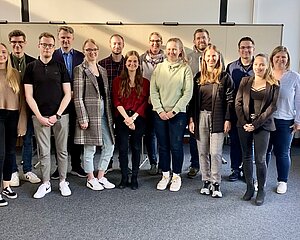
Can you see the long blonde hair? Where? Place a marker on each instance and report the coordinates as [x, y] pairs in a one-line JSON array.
[[12, 75], [205, 75], [268, 76]]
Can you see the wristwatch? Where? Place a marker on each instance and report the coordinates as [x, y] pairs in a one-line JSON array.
[[174, 113], [58, 116]]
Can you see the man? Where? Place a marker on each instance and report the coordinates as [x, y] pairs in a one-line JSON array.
[[19, 60], [114, 65], [149, 60], [70, 58], [238, 69], [48, 93]]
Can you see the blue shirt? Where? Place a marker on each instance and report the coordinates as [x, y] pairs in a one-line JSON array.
[[68, 58]]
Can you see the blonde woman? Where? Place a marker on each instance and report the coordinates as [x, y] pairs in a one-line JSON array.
[[254, 105], [210, 115], [11, 125]]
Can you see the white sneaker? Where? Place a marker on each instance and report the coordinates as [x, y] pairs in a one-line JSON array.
[[15, 180], [94, 185], [31, 177], [175, 183], [163, 183], [106, 184], [43, 190], [216, 191], [64, 188], [281, 187]]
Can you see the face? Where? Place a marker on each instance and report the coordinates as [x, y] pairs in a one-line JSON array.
[[155, 44], [46, 46], [173, 51], [91, 52], [201, 40], [280, 60], [3, 54], [65, 40], [260, 66], [132, 63], [116, 45], [18, 44], [211, 58], [246, 49]]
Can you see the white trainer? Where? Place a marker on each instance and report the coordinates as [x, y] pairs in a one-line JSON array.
[[64, 188], [281, 187], [163, 183], [15, 180], [42, 190], [31, 177], [106, 184], [175, 183], [94, 185]]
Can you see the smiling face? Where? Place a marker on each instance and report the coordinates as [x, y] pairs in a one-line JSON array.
[[132, 63], [66, 40], [201, 41], [211, 58], [173, 51], [91, 52], [155, 44], [17, 43], [246, 50], [116, 45], [3, 55], [280, 61], [260, 66]]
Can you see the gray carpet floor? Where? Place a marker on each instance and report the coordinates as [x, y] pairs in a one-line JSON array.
[[151, 214]]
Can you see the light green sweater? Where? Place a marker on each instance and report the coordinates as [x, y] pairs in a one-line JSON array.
[[171, 87]]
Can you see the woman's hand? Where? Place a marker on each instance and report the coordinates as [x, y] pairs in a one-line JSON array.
[[227, 126], [128, 121], [163, 116], [132, 126], [296, 127], [248, 127], [170, 114], [84, 126], [191, 127]]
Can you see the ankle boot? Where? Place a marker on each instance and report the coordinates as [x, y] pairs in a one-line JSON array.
[[134, 183], [124, 182], [260, 197], [249, 193]]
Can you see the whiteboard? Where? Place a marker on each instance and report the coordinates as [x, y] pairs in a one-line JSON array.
[[136, 36]]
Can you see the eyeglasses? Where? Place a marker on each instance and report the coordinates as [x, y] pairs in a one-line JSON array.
[[17, 42], [246, 47], [91, 50], [155, 41], [45, 45]]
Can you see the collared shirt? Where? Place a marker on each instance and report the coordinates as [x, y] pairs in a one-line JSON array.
[[19, 64], [68, 58]]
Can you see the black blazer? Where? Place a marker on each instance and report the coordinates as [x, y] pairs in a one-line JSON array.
[[268, 106]]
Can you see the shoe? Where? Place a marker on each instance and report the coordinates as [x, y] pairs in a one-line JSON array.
[[124, 183], [9, 193], [192, 172], [3, 202], [153, 169], [163, 183], [42, 190], [15, 180], [94, 184], [175, 183], [260, 198], [249, 193], [106, 184], [205, 190], [64, 188], [216, 192], [134, 183], [281, 187], [55, 175], [79, 172], [31, 177], [234, 176]]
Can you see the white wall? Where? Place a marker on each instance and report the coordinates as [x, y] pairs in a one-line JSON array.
[[10, 10]]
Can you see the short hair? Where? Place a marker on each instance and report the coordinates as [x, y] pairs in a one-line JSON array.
[[200, 30], [277, 50], [157, 34], [91, 41], [244, 39], [116, 35], [46, 35], [16, 33], [66, 29]]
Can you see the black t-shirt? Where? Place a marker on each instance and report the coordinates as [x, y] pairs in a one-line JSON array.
[[101, 85], [206, 97], [47, 80]]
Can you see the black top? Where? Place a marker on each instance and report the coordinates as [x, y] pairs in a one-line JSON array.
[[256, 98], [47, 80], [206, 97], [101, 85]]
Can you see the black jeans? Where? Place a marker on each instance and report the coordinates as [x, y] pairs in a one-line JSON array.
[[8, 139]]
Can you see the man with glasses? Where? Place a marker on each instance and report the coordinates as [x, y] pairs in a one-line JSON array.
[[238, 69], [70, 58], [149, 60], [48, 93], [19, 60]]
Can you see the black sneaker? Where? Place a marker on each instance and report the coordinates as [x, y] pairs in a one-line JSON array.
[[192, 172], [3, 202], [79, 172], [55, 175], [216, 191], [234, 176], [9, 193]]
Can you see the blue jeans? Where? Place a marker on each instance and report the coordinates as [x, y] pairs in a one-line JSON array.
[[235, 149], [281, 141], [170, 135], [150, 137]]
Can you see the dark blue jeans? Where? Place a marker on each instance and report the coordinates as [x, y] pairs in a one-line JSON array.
[[194, 152], [170, 135], [8, 139], [280, 142], [150, 137], [235, 149]]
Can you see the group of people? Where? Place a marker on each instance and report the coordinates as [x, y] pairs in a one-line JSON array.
[[119, 100]]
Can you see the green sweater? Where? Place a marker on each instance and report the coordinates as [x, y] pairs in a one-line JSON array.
[[171, 87]]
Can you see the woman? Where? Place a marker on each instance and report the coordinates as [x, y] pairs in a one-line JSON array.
[[255, 103], [11, 125], [287, 115], [94, 117], [171, 89], [210, 111], [130, 97]]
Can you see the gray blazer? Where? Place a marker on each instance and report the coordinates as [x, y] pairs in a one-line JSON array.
[[87, 100]]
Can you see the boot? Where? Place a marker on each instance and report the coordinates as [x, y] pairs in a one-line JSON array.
[[249, 193], [134, 182], [260, 197]]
